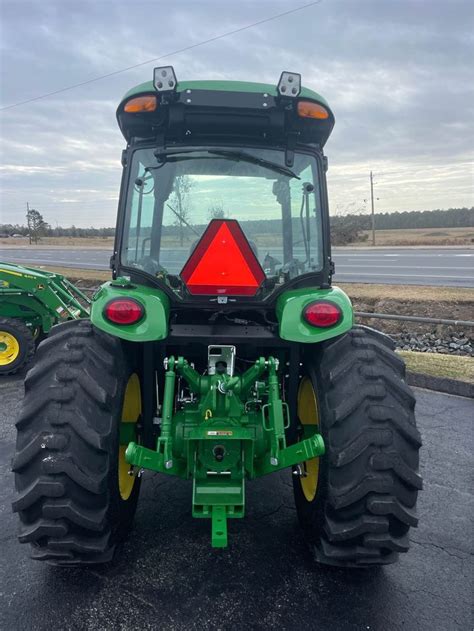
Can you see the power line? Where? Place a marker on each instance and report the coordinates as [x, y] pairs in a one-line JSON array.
[[155, 59]]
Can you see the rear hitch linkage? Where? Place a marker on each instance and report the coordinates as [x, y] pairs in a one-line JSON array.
[[222, 436]]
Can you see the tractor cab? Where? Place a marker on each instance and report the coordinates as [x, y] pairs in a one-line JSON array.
[[224, 191]]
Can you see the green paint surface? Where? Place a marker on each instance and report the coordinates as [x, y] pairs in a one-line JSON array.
[[232, 431], [39, 298], [226, 86], [289, 310], [153, 325]]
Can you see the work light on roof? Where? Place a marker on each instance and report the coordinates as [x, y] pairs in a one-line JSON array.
[[289, 84], [164, 79]]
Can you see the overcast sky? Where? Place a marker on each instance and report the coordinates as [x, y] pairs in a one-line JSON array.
[[398, 75]]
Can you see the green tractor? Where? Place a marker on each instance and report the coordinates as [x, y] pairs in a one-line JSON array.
[[32, 301], [220, 351]]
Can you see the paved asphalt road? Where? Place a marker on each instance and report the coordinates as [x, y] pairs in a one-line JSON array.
[[167, 576], [414, 266]]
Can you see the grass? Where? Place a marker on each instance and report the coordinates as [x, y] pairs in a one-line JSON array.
[[451, 366], [415, 293], [421, 236], [81, 242], [74, 274]]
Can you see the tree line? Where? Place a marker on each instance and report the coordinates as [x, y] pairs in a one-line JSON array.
[[349, 228], [451, 218], [344, 229], [36, 227]]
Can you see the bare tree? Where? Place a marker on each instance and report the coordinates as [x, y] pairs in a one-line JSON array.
[[37, 226], [182, 187], [216, 211]]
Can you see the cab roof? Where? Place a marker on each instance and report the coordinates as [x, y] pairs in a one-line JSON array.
[[225, 86], [217, 109]]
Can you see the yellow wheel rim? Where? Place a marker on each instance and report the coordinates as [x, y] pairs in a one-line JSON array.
[[131, 410], [9, 348], [309, 416]]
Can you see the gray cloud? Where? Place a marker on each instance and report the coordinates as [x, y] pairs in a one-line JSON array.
[[398, 75]]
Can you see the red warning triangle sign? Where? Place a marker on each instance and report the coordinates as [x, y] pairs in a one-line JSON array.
[[223, 262]]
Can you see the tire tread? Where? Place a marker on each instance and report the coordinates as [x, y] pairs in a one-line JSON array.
[[65, 432], [369, 478]]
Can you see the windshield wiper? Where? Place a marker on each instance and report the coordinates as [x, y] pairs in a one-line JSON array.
[[183, 154], [183, 220], [248, 157]]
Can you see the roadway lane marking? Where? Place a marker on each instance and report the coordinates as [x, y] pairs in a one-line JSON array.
[[446, 267], [404, 255], [401, 276], [371, 260], [411, 253]]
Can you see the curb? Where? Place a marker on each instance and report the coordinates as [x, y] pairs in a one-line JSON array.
[[441, 384]]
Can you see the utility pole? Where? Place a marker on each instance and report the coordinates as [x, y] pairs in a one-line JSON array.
[[28, 221], [372, 206]]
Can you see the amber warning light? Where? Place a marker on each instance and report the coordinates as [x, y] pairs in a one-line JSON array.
[[141, 104], [223, 263]]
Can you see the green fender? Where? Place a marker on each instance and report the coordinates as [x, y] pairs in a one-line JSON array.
[[153, 325], [289, 310]]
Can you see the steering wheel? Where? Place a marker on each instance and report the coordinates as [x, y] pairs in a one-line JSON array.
[[151, 266]]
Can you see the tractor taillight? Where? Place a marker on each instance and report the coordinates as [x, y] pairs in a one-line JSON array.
[[322, 313], [123, 311]]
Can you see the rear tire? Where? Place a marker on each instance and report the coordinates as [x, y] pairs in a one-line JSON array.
[[67, 453], [368, 479], [17, 345]]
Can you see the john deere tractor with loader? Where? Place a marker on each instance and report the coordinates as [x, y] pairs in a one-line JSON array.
[[220, 351], [32, 301]]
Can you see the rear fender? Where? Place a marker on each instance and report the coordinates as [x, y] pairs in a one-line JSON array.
[[289, 312], [152, 326]]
